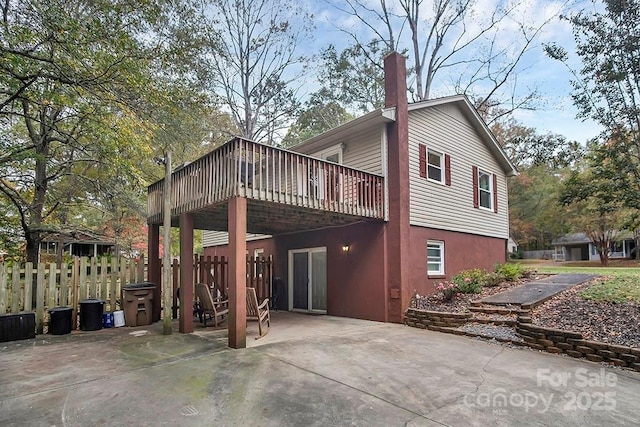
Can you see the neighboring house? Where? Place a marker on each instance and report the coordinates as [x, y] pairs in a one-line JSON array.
[[361, 216], [579, 247], [75, 243]]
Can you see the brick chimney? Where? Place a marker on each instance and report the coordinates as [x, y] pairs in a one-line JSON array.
[[397, 229]]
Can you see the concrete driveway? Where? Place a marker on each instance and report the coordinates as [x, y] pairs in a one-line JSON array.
[[308, 371]]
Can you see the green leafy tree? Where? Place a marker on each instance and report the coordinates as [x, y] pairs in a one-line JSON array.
[[607, 89], [543, 162], [354, 77], [593, 207], [81, 83], [316, 117], [535, 216]]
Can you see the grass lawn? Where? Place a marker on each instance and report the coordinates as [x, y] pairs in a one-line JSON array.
[[618, 284]]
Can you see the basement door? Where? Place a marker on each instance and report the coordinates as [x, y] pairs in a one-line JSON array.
[[308, 280]]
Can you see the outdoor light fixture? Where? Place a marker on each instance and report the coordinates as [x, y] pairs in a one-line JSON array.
[[345, 248]]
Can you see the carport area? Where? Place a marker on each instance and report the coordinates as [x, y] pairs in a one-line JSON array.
[[309, 370]]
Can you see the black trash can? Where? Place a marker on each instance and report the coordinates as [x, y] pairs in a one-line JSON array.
[[91, 314], [60, 322], [137, 303]]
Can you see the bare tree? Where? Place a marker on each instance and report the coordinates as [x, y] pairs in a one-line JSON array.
[[256, 62], [485, 52]]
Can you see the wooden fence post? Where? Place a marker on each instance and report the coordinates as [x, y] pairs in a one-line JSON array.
[[140, 275], [83, 279], [93, 291], [113, 284], [123, 272], [52, 300], [103, 280], [132, 271], [75, 275], [28, 286], [64, 287], [3, 288], [40, 298], [15, 288]]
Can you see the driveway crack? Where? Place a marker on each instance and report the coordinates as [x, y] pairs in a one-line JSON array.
[[368, 393]]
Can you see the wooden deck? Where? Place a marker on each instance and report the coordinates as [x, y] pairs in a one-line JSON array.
[[284, 190]]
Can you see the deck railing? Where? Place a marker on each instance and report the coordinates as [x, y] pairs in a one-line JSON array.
[[243, 168]]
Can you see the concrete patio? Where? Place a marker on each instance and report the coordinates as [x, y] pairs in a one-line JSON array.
[[309, 370]]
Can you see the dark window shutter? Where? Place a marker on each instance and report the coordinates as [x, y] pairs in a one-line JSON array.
[[423, 160], [476, 201], [447, 169], [495, 193]]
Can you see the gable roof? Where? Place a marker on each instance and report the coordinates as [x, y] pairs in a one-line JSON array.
[[471, 114], [574, 238], [386, 115], [582, 238], [78, 237]]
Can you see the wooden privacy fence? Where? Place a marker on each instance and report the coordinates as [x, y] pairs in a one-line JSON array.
[[214, 271], [29, 287], [37, 287]]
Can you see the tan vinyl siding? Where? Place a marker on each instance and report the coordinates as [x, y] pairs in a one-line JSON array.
[[217, 238], [361, 151], [444, 128]]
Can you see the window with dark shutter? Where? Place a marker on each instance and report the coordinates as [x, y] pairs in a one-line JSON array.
[[447, 169], [423, 160], [495, 193], [476, 200]]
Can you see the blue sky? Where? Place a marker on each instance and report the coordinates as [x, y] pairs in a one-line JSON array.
[[550, 78]]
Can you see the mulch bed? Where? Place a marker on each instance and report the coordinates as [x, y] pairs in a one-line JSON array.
[[597, 321]]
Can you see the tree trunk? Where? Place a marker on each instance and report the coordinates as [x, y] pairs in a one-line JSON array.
[[603, 253], [33, 239]]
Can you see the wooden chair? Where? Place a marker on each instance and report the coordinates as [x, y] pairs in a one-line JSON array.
[[258, 312], [216, 309]]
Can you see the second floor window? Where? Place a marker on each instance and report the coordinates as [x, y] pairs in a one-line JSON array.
[[485, 190], [435, 166]]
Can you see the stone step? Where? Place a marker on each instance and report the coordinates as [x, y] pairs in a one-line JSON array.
[[493, 310], [497, 322]]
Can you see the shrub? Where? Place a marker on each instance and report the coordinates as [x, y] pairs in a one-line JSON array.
[[447, 290], [469, 281], [510, 272], [492, 279]]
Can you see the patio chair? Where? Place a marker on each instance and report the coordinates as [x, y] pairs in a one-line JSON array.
[[216, 309], [259, 312]]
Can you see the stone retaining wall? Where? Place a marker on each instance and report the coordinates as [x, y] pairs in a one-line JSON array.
[[426, 319], [572, 344], [537, 337]]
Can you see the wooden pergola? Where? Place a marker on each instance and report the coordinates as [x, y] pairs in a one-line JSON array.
[[246, 187]]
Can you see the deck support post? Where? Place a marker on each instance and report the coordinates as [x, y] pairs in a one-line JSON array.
[[237, 272], [186, 274], [153, 275]]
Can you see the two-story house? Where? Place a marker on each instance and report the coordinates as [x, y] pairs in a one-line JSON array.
[[363, 215]]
